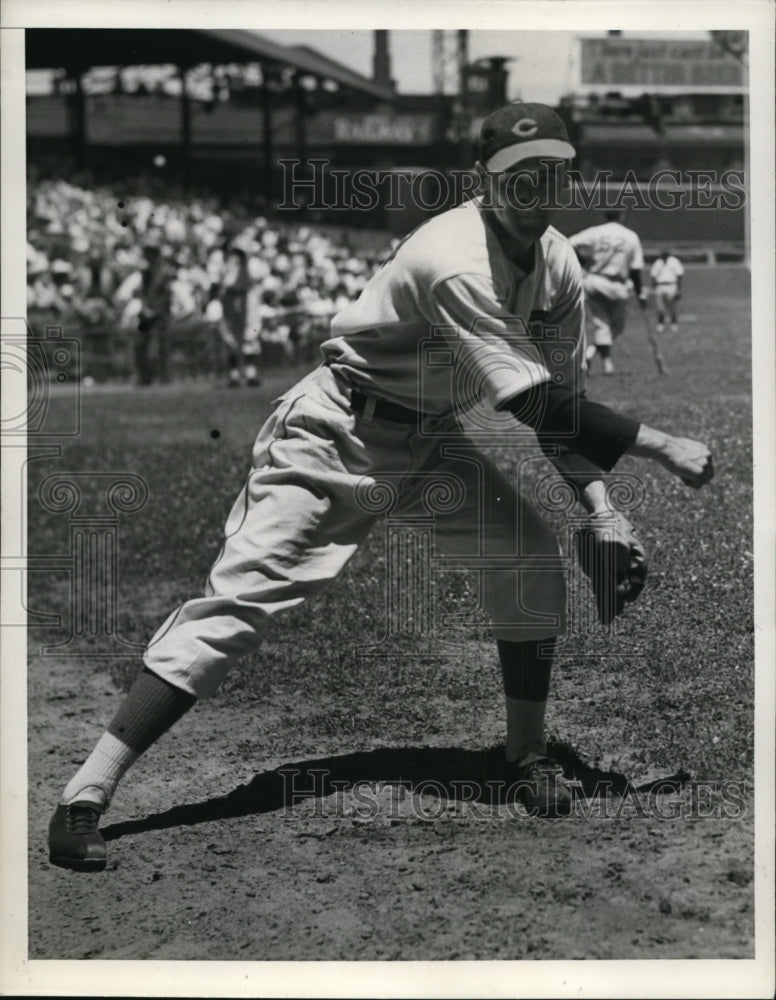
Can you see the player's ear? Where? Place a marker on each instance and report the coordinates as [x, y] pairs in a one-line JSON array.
[[484, 182]]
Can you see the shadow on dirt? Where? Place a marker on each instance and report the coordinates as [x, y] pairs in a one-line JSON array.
[[441, 771]]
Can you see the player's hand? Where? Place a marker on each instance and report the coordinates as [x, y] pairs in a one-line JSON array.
[[689, 460], [613, 560]]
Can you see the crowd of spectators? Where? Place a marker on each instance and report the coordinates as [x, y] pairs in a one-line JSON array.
[[143, 263]]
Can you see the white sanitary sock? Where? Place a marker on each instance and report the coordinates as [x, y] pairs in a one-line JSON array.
[[97, 778]]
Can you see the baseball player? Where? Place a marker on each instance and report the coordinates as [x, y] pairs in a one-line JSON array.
[[241, 342], [612, 257], [154, 317], [666, 274], [487, 279]]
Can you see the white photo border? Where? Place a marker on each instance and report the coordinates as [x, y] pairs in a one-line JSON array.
[[652, 978]]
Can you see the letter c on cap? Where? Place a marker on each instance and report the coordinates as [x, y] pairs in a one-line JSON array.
[[525, 128]]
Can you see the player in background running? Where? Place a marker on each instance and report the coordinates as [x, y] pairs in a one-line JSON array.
[[612, 257]]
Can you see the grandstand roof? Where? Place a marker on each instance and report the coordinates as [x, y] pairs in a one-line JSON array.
[[82, 48]]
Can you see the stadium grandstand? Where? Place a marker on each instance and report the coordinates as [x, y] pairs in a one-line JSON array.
[[644, 106], [161, 151]]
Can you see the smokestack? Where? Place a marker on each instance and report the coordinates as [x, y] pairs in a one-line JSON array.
[[381, 61]]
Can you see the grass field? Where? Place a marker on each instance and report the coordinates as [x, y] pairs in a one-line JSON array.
[[671, 692]]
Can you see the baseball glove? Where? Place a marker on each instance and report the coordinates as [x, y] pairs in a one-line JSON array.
[[613, 560]]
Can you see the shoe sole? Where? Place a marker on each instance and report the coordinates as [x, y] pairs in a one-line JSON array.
[[79, 864], [544, 809]]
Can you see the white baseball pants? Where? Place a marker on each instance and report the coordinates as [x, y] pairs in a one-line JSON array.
[[319, 474]]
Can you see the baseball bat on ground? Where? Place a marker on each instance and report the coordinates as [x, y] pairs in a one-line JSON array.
[[652, 337]]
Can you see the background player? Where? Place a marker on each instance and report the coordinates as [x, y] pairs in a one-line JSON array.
[[152, 359], [612, 257], [477, 276], [666, 274], [241, 341]]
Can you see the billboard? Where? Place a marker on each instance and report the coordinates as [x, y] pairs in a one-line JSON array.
[[383, 129], [690, 65]]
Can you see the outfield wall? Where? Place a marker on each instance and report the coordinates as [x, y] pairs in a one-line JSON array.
[[708, 234]]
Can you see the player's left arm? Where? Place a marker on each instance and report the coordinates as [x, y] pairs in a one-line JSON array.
[[584, 440], [591, 443]]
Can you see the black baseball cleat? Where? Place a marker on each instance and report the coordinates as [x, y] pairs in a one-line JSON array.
[[74, 840], [541, 787]]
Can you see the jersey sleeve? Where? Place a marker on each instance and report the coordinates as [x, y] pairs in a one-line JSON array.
[[495, 355]]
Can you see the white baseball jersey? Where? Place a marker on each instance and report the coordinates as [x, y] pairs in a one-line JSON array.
[[451, 277], [611, 250], [667, 271]]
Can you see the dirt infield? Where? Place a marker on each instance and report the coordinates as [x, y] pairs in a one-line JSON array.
[[409, 847], [204, 867]]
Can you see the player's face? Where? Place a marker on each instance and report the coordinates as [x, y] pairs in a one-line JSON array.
[[525, 198]]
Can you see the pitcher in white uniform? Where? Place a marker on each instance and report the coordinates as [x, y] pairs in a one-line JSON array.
[[497, 292]]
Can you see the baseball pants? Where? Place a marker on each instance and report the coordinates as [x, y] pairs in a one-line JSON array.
[[319, 474], [665, 300], [607, 319]]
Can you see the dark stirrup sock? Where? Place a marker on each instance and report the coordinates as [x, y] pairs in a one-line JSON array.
[[151, 707], [526, 678], [526, 675]]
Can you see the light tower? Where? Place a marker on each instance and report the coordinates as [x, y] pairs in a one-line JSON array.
[[449, 56], [381, 60]]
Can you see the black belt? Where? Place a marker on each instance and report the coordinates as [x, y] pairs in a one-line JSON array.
[[385, 410]]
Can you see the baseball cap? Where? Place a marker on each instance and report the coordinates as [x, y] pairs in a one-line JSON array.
[[520, 132]]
